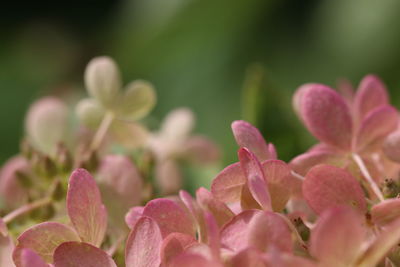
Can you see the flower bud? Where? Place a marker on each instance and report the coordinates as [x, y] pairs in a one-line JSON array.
[[102, 80]]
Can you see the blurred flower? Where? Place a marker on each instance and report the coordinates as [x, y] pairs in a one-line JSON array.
[[173, 143], [108, 106]]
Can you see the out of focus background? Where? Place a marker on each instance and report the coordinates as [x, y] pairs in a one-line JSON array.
[[224, 59]]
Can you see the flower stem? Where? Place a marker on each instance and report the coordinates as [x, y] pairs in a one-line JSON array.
[[368, 177], [101, 131], [26, 208]]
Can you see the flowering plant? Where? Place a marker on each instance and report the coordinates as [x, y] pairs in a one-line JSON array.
[[334, 205]]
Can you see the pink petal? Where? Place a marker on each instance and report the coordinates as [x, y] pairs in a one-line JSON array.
[[220, 211], [337, 237], [168, 176], [169, 216], [118, 174], [234, 234], [6, 246], [248, 136], [213, 239], [276, 258], [267, 230], [43, 239], [173, 245], [320, 104], [85, 208], [391, 146], [196, 213], [386, 211], [247, 200], [72, 254], [227, 186], [371, 93], [193, 260], [280, 182], [381, 246], [376, 124], [121, 187], [133, 216], [12, 193], [30, 259], [201, 150], [249, 257], [144, 244], [304, 162], [255, 178], [326, 186]]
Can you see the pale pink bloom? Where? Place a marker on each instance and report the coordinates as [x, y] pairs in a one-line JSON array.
[[174, 143]]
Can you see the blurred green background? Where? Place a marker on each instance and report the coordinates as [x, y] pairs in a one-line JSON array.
[[225, 59]]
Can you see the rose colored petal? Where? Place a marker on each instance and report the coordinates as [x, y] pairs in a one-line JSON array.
[[327, 186], [193, 260], [144, 244], [220, 211], [320, 104], [298, 96], [85, 208], [173, 245], [196, 213], [12, 193], [272, 151], [248, 136], [234, 234], [46, 124], [337, 238], [276, 258], [121, 175], [201, 150], [381, 246], [169, 216], [120, 185], [71, 254], [255, 178], [6, 246], [391, 146], [371, 93], [249, 257], [386, 211], [268, 229], [30, 259], [346, 89], [133, 216], [168, 176], [280, 182], [247, 200], [304, 162], [43, 239], [102, 80], [213, 236], [376, 124], [227, 186]]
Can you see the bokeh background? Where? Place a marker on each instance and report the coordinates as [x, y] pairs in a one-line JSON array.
[[224, 59]]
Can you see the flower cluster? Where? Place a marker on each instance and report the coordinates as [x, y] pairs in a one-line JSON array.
[[335, 205]]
